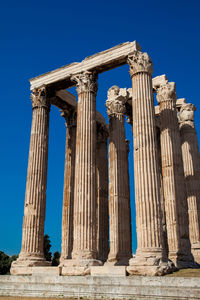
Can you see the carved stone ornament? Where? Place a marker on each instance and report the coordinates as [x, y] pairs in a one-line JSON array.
[[116, 100], [186, 112], [39, 98], [86, 82], [140, 62], [166, 92]]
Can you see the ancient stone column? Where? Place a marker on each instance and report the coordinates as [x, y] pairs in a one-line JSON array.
[[35, 199], [173, 178], [85, 201], [128, 193], [162, 199], [119, 197], [149, 252], [102, 193], [191, 164], [68, 192]]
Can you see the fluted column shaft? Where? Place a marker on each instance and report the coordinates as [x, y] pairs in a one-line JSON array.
[[102, 194], [191, 164], [147, 196], [162, 198], [85, 202], [168, 139], [173, 178], [129, 222], [35, 197], [119, 197], [68, 192]]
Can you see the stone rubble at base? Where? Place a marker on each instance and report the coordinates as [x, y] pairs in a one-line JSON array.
[[96, 233]]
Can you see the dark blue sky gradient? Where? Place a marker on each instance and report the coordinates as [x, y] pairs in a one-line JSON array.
[[39, 36]]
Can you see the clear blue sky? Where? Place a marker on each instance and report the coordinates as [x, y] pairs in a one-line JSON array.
[[39, 36]]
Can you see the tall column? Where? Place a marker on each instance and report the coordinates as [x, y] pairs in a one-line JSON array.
[[162, 199], [102, 193], [68, 192], [85, 202], [191, 164], [129, 201], [119, 198], [35, 198], [149, 254], [173, 178]]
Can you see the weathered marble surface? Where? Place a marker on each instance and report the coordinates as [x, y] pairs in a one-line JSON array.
[[100, 62], [119, 193], [35, 198], [191, 164], [85, 202], [173, 177], [109, 287], [149, 254]]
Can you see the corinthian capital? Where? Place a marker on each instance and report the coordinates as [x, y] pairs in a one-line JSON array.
[[140, 62], [39, 98], [86, 82], [167, 92], [116, 100], [186, 113]]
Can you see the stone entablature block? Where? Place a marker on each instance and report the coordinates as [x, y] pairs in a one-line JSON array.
[[100, 62]]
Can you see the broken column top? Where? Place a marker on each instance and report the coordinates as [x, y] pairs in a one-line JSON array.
[[158, 81], [99, 62]]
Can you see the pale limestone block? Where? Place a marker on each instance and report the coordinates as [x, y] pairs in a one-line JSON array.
[[158, 81], [108, 270], [51, 271]]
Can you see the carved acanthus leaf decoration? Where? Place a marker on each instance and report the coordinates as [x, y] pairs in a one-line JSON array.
[[86, 82], [140, 62], [186, 112], [39, 98], [116, 100], [167, 92]]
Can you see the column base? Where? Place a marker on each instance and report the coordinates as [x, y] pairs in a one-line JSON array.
[[124, 261], [182, 261], [23, 265], [119, 259], [150, 264], [196, 252], [78, 267]]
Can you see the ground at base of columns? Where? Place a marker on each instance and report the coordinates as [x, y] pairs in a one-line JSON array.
[[185, 273]]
